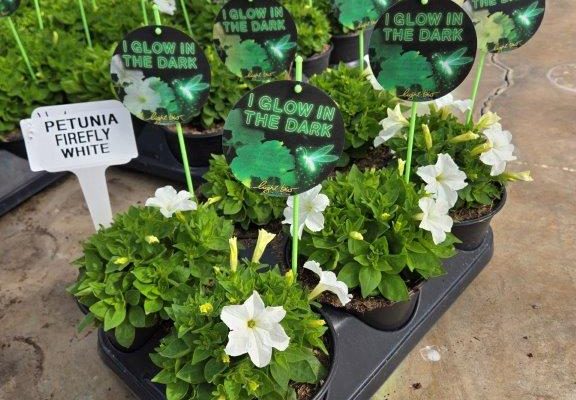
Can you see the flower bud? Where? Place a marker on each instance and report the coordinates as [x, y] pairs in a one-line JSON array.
[[317, 323], [524, 176], [121, 260], [213, 200], [356, 235], [180, 217], [233, 253], [385, 216], [253, 386], [481, 148], [401, 166], [151, 239], [225, 358], [206, 308], [289, 276], [487, 120], [264, 238], [55, 38], [427, 136], [465, 137]]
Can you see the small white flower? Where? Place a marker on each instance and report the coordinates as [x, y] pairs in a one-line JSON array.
[[166, 6], [444, 179], [328, 282], [141, 97], [312, 205], [169, 201], [435, 218], [125, 76], [391, 125], [255, 329], [443, 102], [501, 149]]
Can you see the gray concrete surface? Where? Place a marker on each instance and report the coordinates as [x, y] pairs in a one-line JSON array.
[[512, 334]]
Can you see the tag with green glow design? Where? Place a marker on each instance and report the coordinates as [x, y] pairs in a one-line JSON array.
[[283, 143], [505, 25], [256, 39], [163, 79], [8, 7], [423, 52], [357, 14]]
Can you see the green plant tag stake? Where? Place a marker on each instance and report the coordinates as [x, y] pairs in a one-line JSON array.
[[7, 8], [85, 23], [39, 14], [144, 11], [422, 52], [186, 16], [296, 210], [163, 77], [502, 26]]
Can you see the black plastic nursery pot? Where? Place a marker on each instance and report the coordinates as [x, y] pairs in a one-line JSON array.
[[15, 145], [393, 316], [363, 357], [347, 47], [199, 147], [473, 232], [141, 338], [317, 63]]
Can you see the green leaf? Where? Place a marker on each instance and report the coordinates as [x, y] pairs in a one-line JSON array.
[[175, 349], [132, 297], [212, 369], [99, 309], [86, 321], [152, 305], [114, 317], [280, 374], [164, 377], [125, 334], [176, 390], [349, 274], [393, 288], [369, 280], [200, 354], [137, 317], [193, 374]]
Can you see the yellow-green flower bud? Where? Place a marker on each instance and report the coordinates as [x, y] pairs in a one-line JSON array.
[[213, 200], [524, 176], [317, 323], [401, 166], [465, 137], [206, 308], [427, 136], [121, 260], [289, 277], [264, 238], [385, 216], [487, 120], [151, 239], [55, 38], [233, 253], [482, 148], [180, 217], [253, 386], [356, 235], [225, 358]]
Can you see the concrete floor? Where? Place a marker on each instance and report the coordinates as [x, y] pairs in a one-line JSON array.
[[511, 335]]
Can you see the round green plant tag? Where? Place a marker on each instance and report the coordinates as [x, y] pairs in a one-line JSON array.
[[161, 75], [280, 142], [423, 52], [8, 7], [256, 39], [505, 25], [358, 14]]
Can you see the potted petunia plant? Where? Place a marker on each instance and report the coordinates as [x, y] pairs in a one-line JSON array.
[[130, 272], [378, 235], [462, 165], [251, 335]]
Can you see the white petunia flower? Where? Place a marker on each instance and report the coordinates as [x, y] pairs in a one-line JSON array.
[[141, 97], [125, 76], [444, 179], [312, 205], [255, 329], [501, 149], [391, 125], [435, 218], [328, 282], [166, 6], [169, 201], [443, 102]]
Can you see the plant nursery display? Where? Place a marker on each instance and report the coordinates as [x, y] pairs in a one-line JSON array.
[[323, 209]]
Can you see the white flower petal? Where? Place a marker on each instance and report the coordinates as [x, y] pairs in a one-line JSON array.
[[314, 267], [315, 222], [238, 343], [235, 317], [260, 353]]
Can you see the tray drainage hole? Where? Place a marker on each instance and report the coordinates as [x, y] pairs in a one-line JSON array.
[[564, 77]]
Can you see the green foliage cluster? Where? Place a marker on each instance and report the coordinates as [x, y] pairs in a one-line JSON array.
[[313, 27], [134, 269], [362, 106], [483, 189], [194, 363], [371, 238], [238, 202]]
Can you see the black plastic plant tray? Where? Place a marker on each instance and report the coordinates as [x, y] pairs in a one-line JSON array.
[[366, 357], [156, 159], [18, 183]]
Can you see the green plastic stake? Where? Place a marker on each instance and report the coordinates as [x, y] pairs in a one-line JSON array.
[[186, 16], [144, 11], [94, 5], [157, 19], [407, 172], [482, 61], [361, 50], [39, 14], [185, 158], [296, 211], [21, 47], [85, 23]]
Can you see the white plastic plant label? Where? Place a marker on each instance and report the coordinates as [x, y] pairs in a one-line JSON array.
[[85, 139]]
